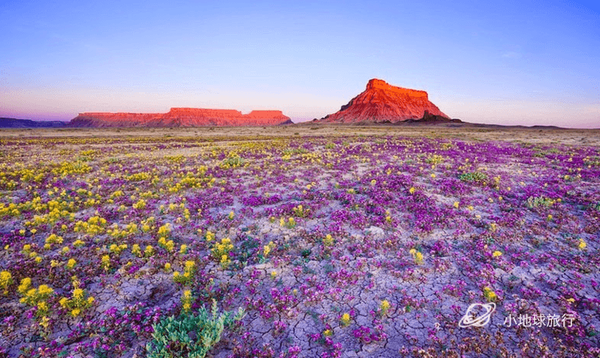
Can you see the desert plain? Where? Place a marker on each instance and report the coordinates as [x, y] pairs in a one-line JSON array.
[[322, 240]]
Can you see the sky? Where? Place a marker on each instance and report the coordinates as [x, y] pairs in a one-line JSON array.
[[506, 62]]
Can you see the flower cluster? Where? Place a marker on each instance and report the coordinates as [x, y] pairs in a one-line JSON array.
[[346, 237], [221, 251], [187, 275], [79, 300], [5, 281]]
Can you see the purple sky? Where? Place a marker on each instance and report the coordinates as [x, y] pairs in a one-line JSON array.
[[509, 62]]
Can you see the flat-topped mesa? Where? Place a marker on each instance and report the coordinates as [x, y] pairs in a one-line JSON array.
[[203, 112], [119, 116], [382, 85], [191, 117], [108, 119], [180, 117], [265, 114], [382, 102]]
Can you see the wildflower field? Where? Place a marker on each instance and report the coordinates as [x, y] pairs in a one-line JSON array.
[[319, 244]]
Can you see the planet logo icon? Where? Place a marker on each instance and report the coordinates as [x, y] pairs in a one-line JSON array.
[[478, 315]]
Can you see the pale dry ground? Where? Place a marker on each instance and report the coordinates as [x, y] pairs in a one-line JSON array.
[[528, 135]]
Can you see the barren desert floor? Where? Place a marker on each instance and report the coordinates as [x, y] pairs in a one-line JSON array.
[[308, 241]]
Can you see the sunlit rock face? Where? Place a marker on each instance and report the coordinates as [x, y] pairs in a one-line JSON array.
[[382, 102], [180, 117]]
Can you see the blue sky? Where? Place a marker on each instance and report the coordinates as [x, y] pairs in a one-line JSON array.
[[510, 62]]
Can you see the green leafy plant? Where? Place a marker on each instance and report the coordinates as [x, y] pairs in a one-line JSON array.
[[474, 177], [190, 335], [232, 161], [534, 202]]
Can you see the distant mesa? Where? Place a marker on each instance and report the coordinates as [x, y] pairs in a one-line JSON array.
[[384, 103], [181, 117]]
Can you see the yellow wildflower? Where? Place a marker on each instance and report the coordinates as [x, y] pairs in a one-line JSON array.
[[149, 251], [224, 259], [105, 262], [71, 263], [419, 258], [385, 306], [345, 319], [42, 307], [78, 293], [189, 265], [5, 280], [135, 249], [63, 302], [489, 294]]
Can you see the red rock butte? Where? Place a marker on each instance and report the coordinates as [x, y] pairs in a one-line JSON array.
[[382, 102], [181, 117]]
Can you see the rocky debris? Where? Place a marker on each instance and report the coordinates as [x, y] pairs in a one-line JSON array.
[[377, 232]]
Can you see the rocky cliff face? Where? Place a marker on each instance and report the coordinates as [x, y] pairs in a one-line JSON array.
[[180, 117], [381, 102]]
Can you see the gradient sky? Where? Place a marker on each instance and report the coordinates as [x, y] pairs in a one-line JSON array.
[[506, 62]]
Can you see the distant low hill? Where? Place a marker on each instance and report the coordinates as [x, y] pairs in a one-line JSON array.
[[28, 123]]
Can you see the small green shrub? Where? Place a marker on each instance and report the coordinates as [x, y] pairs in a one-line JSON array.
[[592, 161], [434, 159], [474, 177], [232, 162], [535, 202], [190, 335]]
